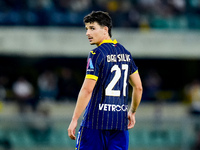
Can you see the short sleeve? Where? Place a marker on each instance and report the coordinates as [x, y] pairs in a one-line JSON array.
[[133, 67], [93, 65]]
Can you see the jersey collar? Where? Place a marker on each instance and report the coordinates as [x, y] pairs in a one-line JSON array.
[[108, 41]]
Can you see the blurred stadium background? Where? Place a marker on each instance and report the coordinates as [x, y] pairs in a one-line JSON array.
[[43, 52]]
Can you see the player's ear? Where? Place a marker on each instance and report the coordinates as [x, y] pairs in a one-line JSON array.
[[105, 29]]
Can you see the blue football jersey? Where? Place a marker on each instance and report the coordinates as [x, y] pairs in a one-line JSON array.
[[110, 64]]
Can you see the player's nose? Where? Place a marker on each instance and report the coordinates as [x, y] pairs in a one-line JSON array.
[[87, 33]]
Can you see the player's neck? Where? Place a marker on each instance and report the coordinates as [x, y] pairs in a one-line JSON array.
[[106, 38]]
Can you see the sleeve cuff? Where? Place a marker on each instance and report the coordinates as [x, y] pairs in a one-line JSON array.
[[89, 76], [135, 72]]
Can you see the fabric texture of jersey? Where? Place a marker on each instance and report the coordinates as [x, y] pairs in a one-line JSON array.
[[93, 139], [110, 64]]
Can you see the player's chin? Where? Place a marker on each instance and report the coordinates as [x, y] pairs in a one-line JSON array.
[[91, 43]]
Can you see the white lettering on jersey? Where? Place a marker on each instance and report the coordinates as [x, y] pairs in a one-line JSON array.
[[111, 58], [123, 57], [118, 58], [112, 107]]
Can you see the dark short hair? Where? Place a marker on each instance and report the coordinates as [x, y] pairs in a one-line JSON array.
[[102, 18]]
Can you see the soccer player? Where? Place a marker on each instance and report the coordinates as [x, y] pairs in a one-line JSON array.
[[104, 93]]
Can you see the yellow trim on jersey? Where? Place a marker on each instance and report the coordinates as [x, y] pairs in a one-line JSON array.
[[92, 52], [109, 41], [89, 76], [135, 72]]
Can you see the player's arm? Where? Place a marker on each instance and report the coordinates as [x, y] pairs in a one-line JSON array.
[[83, 100], [135, 81]]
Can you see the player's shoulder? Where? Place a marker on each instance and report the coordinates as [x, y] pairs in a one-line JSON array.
[[98, 51], [95, 51], [123, 48]]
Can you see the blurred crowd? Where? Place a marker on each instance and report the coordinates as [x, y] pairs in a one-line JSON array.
[[50, 86], [63, 85], [125, 13]]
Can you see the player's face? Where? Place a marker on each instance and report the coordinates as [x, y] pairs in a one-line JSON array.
[[95, 33]]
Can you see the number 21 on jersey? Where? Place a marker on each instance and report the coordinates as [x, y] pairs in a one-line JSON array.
[[118, 72]]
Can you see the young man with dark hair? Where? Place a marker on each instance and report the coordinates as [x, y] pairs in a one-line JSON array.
[[104, 93]]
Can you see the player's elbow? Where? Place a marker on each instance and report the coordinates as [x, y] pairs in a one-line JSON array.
[[86, 91], [138, 88]]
